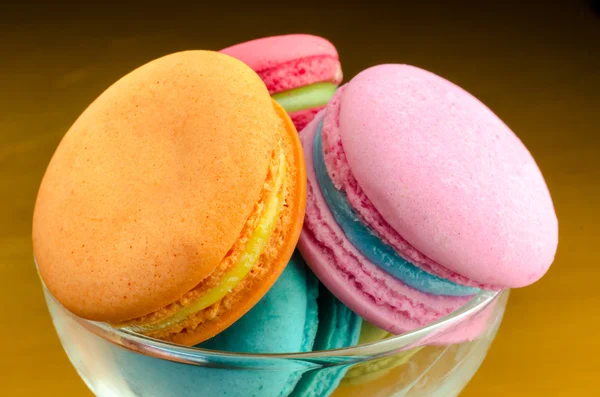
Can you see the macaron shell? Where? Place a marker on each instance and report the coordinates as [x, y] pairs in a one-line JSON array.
[[292, 219], [268, 52], [302, 72], [341, 176], [285, 320], [150, 187], [448, 175]]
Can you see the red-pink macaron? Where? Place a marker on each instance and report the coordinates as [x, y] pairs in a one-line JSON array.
[[419, 196], [301, 71]]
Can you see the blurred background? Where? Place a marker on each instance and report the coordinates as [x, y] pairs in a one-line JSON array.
[[537, 65]]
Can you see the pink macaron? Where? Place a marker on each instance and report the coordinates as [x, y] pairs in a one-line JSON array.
[[301, 71], [419, 197]]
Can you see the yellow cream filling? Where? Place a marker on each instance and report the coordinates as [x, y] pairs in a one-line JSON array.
[[254, 247]]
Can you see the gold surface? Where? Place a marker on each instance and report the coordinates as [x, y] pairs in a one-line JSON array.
[[537, 67]]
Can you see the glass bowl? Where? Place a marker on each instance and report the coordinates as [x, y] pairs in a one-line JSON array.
[[119, 363]]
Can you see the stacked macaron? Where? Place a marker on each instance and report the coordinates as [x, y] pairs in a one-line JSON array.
[[301, 71], [419, 196], [175, 200]]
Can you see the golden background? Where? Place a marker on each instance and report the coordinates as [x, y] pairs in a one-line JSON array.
[[536, 65]]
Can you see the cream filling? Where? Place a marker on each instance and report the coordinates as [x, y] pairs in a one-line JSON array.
[[306, 97]]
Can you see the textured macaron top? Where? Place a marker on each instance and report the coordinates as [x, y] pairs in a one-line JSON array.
[[151, 186], [268, 52], [448, 175]]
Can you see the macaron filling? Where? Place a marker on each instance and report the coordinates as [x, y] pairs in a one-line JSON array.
[[306, 97], [366, 241], [250, 255]]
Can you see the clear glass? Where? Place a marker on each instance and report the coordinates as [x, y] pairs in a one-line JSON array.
[[116, 363]]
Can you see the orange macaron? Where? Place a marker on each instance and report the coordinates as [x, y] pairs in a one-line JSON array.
[[175, 200]]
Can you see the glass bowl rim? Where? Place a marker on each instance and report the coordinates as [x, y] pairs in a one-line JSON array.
[[194, 355]]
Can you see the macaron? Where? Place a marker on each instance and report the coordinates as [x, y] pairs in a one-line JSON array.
[[301, 71], [369, 371], [291, 317], [419, 197], [175, 200]]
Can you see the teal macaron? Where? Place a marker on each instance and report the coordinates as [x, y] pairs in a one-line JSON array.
[[338, 327], [285, 320]]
